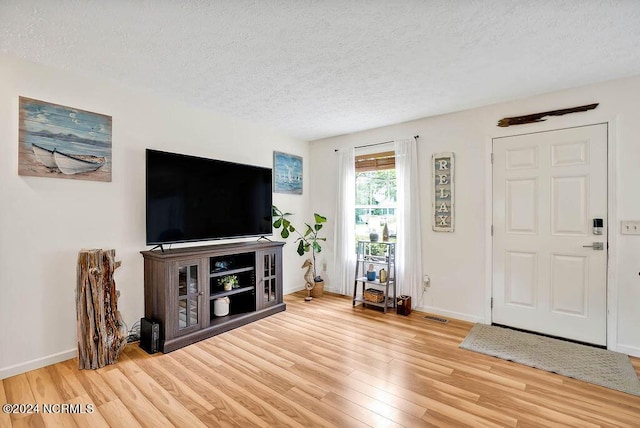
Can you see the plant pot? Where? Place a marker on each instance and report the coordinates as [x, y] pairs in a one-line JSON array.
[[318, 289]]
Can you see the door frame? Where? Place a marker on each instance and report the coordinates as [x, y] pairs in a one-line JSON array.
[[612, 216]]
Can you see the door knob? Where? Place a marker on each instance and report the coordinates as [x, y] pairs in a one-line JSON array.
[[596, 246]]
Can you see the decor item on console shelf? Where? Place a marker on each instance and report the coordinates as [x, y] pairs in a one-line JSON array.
[[229, 282], [221, 306], [309, 241]]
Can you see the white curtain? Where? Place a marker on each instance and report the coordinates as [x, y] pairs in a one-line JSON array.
[[409, 246], [344, 237]]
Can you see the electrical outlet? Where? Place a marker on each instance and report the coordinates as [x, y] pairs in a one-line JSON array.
[[630, 227], [426, 282]]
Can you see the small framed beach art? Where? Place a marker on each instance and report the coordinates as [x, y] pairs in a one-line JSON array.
[[63, 142], [287, 173]]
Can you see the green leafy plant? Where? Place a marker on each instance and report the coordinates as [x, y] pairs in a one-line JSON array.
[[309, 241], [230, 279]]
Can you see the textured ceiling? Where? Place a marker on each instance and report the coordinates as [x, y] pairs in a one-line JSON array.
[[314, 69]]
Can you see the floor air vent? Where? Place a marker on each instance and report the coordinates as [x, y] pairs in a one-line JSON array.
[[436, 319]]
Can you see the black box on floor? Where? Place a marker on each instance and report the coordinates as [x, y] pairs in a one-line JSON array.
[[403, 305], [149, 335]]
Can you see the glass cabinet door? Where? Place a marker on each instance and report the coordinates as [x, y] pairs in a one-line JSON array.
[[269, 274], [188, 304], [269, 278]]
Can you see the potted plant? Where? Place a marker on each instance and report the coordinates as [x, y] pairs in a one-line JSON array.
[[229, 282], [309, 241]]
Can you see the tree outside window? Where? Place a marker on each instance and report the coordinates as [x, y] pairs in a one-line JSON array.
[[376, 202]]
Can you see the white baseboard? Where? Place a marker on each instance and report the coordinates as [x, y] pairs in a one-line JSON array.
[[429, 309], [450, 314], [17, 369], [634, 351], [292, 290]]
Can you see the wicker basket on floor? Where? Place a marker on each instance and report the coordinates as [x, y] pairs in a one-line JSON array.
[[373, 295], [318, 289]]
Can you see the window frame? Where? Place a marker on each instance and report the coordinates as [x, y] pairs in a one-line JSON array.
[[372, 162]]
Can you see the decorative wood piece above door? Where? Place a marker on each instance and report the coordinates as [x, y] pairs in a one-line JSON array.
[[538, 117]]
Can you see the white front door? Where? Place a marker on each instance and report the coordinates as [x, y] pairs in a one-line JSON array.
[[548, 275]]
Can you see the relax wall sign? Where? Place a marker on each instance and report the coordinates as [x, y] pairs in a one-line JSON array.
[[443, 218]]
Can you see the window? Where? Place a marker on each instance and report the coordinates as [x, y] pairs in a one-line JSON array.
[[375, 194]]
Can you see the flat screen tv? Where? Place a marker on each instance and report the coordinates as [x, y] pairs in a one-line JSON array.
[[196, 199]]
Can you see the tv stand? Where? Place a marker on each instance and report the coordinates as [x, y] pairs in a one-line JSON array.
[[184, 289], [158, 246]]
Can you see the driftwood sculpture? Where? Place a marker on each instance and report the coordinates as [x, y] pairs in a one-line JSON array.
[[309, 282], [101, 332], [538, 117]]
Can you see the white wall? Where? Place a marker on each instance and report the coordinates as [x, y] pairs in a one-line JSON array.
[[44, 222], [456, 262]]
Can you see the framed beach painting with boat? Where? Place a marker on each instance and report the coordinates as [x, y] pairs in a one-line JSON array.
[[287, 173], [63, 142]]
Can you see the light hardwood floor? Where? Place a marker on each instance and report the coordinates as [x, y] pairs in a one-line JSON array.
[[320, 363]]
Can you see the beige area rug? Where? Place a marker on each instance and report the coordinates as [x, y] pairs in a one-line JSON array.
[[594, 365]]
